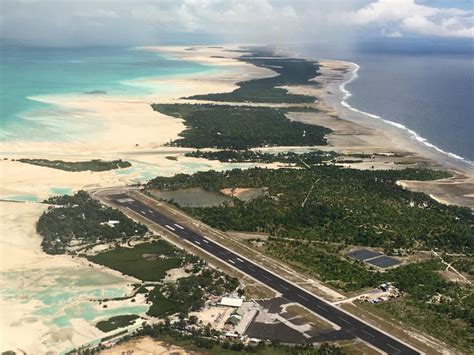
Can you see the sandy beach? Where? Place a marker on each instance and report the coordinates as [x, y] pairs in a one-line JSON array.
[[127, 128]]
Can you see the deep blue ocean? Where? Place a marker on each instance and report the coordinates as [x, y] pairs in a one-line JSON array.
[[26, 72], [426, 85]]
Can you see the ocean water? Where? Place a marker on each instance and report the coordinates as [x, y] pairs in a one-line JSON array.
[[426, 86], [27, 72]]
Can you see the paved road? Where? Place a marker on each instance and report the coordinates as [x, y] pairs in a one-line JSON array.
[[291, 292]]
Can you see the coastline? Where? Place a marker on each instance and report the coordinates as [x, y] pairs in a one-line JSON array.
[[131, 121], [355, 131]]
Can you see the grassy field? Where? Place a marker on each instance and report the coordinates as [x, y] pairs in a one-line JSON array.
[[147, 261]]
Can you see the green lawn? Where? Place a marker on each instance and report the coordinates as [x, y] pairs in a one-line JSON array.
[[147, 262]]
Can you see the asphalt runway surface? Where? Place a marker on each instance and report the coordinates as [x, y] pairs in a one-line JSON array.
[[350, 325]]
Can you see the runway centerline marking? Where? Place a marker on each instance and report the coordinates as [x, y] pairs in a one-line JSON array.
[[345, 321], [394, 347], [232, 261], [169, 227], [373, 336], [177, 225], [324, 309], [239, 259], [303, 297]]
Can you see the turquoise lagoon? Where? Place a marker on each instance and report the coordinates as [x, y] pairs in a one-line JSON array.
[[28, 72], [59, 295]]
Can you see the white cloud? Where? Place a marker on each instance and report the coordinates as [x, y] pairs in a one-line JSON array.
[[409, 17], [125, 22]]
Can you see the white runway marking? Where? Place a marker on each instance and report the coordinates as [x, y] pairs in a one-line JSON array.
[[266, 277], [394, 347], [169, 227], [362, 330], [231, 261], [197, 242], [345, 321], [177, 225], [205, 241], [303, 297], [142, 212], [239, 259], [324, 309], [286, 288]]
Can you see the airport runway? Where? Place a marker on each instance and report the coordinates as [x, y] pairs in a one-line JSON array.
[[291, 292]]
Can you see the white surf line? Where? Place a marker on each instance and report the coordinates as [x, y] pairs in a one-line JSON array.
[[363, 331], [412, 133], [177, 225], [169, 227]]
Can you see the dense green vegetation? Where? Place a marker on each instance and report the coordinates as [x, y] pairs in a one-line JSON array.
[[189, 293], [147, 261], [82, 220], [353, 207], [229, 127], [116, 322], [241, 156], [206, 339], [347, 206], [290, 71], [92, 165], [151, 261]]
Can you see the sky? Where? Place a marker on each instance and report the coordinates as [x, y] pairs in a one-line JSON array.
[[145, 22]]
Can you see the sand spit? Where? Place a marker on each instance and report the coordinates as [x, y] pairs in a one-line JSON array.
[[127, 128]]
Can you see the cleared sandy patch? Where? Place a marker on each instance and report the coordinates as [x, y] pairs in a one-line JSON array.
[[145, 346]]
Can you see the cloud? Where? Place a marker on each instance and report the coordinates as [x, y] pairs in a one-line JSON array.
[[406, 16], [138, 22]]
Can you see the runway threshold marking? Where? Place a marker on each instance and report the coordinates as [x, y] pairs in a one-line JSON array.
[[169, 227], [373, 336]]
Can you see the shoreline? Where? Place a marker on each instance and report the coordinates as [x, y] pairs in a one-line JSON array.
[[130, 121], [355, 131], [414, 134]]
